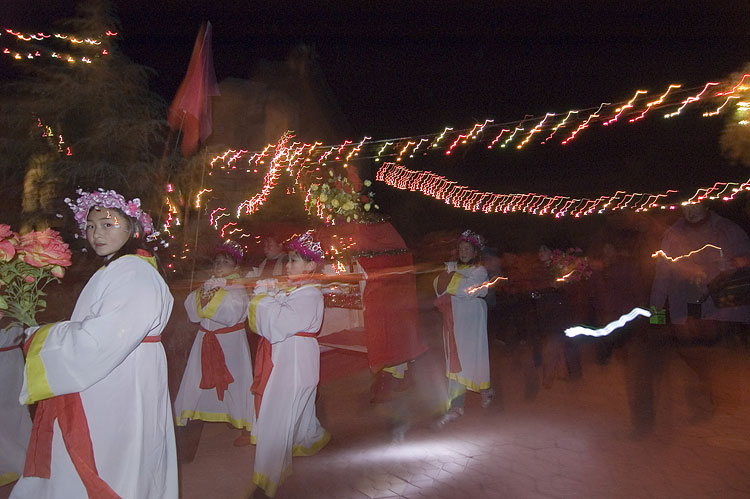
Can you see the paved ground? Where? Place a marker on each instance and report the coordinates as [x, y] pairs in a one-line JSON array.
[[573, 439]]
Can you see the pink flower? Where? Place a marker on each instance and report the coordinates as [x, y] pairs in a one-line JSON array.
[[5, 231], [41, 249], [58, 271], [29, 278], [7, 250]]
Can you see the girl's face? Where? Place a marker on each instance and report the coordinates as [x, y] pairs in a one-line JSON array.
[[466, 252], [298, 265], [224, 265], [107, 230]]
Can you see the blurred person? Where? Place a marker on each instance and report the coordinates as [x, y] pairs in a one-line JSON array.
[[287, 368], [275, 258], [103, 424], [219, 372], [15, 422], [680, 289], [615, 291], [460, 300]]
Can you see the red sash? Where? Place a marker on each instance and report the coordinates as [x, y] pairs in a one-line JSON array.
[[443, 303], [8, 349], [214, 371], [74, 428], [264, 366]]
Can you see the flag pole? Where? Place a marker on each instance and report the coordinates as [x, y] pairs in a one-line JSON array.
[[198, 217]]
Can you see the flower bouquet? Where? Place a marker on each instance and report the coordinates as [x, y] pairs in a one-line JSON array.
[[28, 263], [336, 198], [566, 266]]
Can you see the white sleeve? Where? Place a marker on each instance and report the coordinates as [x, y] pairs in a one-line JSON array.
[[131, 301], [191, 306], [473, 277], [276, 318]]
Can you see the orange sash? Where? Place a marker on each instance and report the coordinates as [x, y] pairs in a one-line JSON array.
[[214, 371], [263, 368], [443, 303], [68, 411]]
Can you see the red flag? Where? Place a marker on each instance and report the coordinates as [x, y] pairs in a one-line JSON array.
[[191, 108]]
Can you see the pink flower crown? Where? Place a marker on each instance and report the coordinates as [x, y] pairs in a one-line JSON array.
[[306, 246], [472, 237], [108, 199], [233, 249]]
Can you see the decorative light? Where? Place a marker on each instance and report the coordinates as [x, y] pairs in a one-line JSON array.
[[609, 328]]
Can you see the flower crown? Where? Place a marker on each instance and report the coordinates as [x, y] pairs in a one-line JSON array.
[[307, 247], [472, 237], [108, 199], [233, 249]]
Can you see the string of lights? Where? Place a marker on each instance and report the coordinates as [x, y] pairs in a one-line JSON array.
[[35, 46], [714, 97], [466, 198]]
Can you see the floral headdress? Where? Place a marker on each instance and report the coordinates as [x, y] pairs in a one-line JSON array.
[[472, 237], [233, 249], [108, 199], [307, 247]]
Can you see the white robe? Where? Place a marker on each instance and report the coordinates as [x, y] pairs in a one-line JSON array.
[[470, 327], [287, 424], [192, 402], [121, 381], [15, 421]]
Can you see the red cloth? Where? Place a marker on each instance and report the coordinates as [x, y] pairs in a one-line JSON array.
[[391, 314], [390, 296], [444, 304], [191, 108], [214, 371], [8, 349], [263, 368], [68, 411], [261, 371]]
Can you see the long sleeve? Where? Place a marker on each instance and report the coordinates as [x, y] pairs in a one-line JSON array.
[[226, 308], [279, 317], [466, 279], [192, 304], [120, 305]]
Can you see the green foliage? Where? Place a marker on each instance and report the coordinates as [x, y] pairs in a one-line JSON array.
[[114, 126]]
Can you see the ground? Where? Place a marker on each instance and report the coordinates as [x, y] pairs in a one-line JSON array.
[[573, 439]]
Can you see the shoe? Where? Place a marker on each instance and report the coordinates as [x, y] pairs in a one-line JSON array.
[[243, 440], [487, 396], [449, 416]]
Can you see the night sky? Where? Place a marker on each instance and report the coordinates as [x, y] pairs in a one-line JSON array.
[[405, 68]]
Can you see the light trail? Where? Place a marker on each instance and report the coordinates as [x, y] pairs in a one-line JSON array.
[[609, 328]]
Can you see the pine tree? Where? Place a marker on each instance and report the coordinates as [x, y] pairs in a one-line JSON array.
[[107, 128]]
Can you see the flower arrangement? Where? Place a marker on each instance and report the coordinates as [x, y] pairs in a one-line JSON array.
[[28, 263], [336, 198], [566, 266]]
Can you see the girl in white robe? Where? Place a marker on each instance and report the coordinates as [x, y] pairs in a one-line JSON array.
[[103, 426], [460, 290], [15, 422], [289, 321], [222, 394]]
